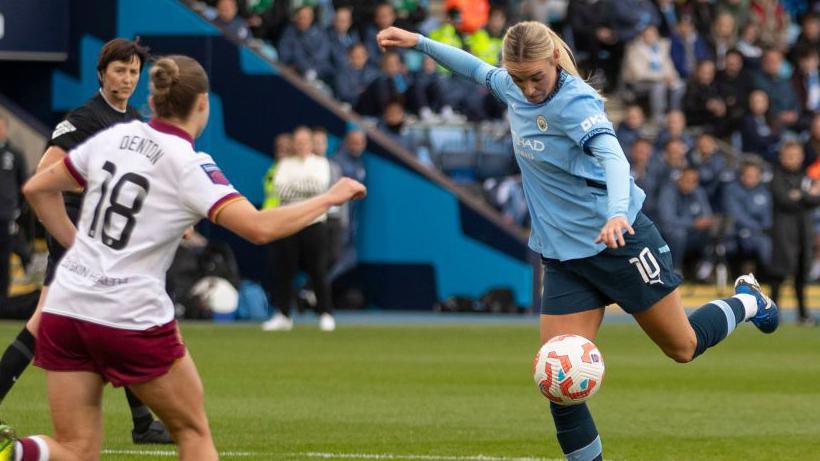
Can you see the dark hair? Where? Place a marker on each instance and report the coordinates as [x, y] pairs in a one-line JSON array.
[[121, 49], [176, 81], [318, 129]]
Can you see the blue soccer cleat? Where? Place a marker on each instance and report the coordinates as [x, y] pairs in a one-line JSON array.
[[7, 440], [768, 316]]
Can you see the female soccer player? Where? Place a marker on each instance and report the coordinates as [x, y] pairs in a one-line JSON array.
[[596, 245], [106, 316]]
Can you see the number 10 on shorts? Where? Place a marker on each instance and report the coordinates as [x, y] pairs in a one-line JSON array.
[[648, 267]]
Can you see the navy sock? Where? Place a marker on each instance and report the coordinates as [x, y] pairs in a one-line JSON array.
[[140, 414], [576, 432], [715, 321], [15, 360]]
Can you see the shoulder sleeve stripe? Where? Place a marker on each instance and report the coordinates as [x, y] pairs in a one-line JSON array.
[[593, 133], [488, 82], [220, 204], [72, 170]]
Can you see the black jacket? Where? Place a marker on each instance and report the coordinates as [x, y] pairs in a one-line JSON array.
[[13, 174]]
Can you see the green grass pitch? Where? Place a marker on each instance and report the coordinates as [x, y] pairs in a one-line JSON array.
[[462, 393]]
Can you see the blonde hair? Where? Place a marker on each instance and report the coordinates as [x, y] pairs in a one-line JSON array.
[[533, 41]]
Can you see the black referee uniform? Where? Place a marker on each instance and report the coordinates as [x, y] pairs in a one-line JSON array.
[[13, 174], [80, 124]]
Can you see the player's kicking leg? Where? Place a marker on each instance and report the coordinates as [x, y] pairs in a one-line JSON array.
[[20, 353], [683, 339]]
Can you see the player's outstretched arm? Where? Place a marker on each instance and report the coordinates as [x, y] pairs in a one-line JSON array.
[[44, 192], [51, 156], [458, 61], [260, 227]]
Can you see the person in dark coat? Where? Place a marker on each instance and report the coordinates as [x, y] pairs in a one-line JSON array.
[[759, 133], [702, 103], [733, 85], [748, 204], [795, 195]]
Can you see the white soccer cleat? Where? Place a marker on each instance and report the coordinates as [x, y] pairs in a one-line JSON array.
[[278, 323], [326, 322]]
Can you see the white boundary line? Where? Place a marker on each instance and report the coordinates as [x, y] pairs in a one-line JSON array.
[[323, 455]]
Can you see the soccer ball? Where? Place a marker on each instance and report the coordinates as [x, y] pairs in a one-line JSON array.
[[568, 369]]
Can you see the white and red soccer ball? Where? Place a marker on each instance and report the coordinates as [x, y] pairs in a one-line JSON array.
[[569, 369]]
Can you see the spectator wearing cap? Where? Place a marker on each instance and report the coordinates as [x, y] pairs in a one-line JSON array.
[[648, 69], [228, 19], [304, 46], [703, 104], [355, 76], [782, 100], [759, 134], [687, 47], [341, 36]]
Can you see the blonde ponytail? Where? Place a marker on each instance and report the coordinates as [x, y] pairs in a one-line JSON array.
[[533, 41]]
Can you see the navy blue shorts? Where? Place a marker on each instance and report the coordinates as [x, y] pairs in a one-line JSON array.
[[635, 276]]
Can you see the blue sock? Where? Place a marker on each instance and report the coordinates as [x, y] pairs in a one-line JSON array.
[[576, 432], [715, 321]]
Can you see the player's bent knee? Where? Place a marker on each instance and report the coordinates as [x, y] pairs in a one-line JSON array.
[[682, 353]]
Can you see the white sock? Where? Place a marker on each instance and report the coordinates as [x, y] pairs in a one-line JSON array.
[[18, 451], [44, 452], [749, 304]]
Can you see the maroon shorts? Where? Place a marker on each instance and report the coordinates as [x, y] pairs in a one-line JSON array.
[[120, 356]]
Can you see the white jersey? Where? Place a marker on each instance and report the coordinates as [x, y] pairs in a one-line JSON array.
[[144, 185]]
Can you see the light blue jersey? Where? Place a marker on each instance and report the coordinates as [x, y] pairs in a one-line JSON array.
[[571, 188]]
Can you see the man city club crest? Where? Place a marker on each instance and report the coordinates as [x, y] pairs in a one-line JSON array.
[[541, 122]]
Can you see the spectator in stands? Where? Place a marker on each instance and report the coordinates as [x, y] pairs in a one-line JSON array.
[[723, 38], [665, 170], [13, 173], [782, 100], [486, 42], [806, 84], [448, 32], [349, 158], [675, 128], [596, 44], [300, 177], [703, 14], [318, 135], [648, 69], [773, 22], [739, 9], [228, 19], [430, 91], [686, 218], [795, 195], [473, 13], [392, 124], [269, 19], [812, 146], [341, 36], [355, 76], [384, 16], [631, 126], [733, 88], [749, 45], [758, 132], [669, 17], [628, 18], [809, 32], [550, 12], [687, 47], [390, 85], [304, 47], [640, 156], [713, 168], [748, 205], [703, 105]]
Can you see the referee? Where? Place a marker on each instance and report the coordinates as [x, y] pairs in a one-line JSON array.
[[118, 70]]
